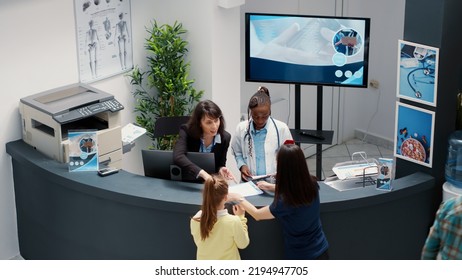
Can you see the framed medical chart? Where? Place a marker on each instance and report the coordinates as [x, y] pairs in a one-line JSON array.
[[104, 38], [414, 130], [417, 72]]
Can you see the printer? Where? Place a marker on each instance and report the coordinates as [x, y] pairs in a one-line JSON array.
[[47, 117]]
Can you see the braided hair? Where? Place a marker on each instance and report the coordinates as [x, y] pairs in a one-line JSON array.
[[259, 98]]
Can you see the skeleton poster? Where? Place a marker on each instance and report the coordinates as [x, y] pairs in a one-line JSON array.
[[104, 42]]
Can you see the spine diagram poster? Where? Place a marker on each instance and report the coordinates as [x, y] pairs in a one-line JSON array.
[[104, 42], [83, 150], [417, 72], [414, 129]]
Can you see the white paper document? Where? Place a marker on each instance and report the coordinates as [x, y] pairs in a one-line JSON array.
[[245, 189], [130, 132]]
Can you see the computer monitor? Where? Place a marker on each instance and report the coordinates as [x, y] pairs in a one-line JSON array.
[[159, 164]]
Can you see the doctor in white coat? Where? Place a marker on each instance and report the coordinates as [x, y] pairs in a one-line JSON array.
[[256, 141]]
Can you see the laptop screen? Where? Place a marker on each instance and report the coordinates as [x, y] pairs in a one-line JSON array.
[[159, 164]]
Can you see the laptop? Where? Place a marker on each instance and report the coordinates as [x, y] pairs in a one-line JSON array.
[[159, 164]]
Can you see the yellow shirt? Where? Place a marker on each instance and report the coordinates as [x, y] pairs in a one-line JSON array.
[[228, 234]]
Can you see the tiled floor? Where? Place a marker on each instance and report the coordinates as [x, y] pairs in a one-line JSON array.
[[343, 152]]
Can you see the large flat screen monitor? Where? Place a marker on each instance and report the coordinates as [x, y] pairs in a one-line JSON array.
[[304, 49], [159, 164]]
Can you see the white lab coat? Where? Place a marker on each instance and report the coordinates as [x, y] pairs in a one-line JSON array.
[[240, 145]]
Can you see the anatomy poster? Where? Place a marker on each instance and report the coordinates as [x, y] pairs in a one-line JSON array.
[[104, 38], [417, 72]]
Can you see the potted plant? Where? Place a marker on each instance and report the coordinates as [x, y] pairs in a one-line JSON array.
[[164, 89]]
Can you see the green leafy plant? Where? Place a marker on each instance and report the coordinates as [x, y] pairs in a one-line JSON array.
[[164, 89]]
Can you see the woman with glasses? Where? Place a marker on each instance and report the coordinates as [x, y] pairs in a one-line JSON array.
[[257, 140]]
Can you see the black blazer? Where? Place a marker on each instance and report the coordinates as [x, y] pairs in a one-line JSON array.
[[187, 143]]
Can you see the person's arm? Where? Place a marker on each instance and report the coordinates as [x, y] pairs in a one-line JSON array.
[[258, 214], [237, 149], [285, 133], [262, 213], [221, 153], [238, 152], [227, 174], [266, 186], [204, 175], [180, 159], [432, 245], [241, 234], [245, 172], [433, 242], [221, 150]]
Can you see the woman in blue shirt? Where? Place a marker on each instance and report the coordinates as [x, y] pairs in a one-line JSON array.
[[296, 206]]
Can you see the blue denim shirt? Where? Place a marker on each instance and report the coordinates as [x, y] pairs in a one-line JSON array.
[[209, 148], [259, 137]]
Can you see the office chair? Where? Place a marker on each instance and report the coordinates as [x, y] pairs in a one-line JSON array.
[[166, 126], [166, 130]]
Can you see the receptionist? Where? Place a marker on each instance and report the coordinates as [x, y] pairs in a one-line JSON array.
[[205, 132]]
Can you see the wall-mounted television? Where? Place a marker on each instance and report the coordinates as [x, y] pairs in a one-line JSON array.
[[306, 49]]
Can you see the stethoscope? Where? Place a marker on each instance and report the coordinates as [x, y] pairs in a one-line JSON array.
[[247, 134], [427, 78]]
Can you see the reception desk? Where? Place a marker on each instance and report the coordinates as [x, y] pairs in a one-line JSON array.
[[80, 215]]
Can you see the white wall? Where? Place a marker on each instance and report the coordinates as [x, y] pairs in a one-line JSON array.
[[369, 109], [38, 52]]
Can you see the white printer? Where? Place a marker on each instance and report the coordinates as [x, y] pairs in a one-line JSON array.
[[48, 116]]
